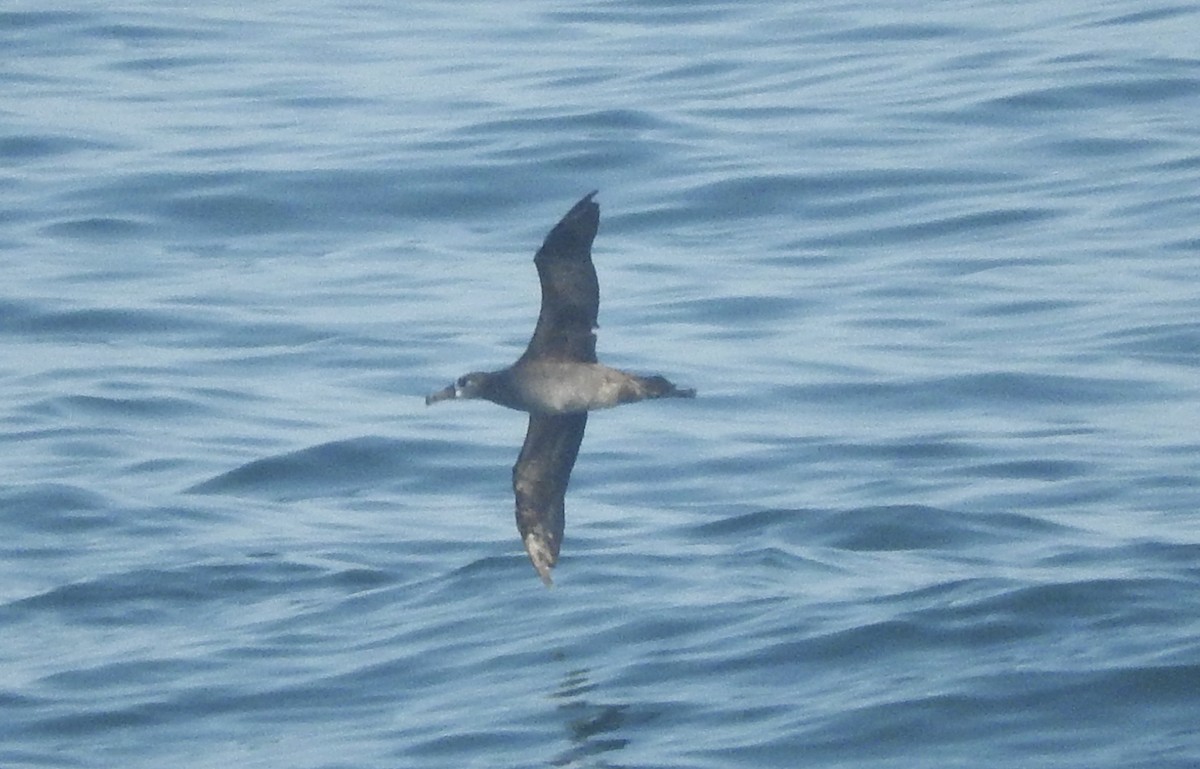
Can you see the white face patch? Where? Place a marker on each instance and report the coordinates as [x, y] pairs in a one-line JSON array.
[[468, 386]]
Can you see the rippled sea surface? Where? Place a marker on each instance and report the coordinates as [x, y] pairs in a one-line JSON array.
[[932, 268]]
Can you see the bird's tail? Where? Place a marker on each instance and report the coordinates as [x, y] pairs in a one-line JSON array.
[[660, 387]]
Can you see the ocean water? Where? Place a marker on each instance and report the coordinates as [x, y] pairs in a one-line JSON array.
[[932, 268]]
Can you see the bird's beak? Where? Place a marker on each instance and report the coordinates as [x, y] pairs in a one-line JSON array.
[[448, 393]]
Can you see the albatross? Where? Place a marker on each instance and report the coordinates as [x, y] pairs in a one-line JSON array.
[[558, 380]]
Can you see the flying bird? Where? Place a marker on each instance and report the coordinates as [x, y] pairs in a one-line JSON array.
[[557, 380]]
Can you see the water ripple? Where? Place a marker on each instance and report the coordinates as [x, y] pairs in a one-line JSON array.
[[931, 274]]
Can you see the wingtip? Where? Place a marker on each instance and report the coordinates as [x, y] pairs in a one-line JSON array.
[[572, 237], [541, 556], [586, 202]]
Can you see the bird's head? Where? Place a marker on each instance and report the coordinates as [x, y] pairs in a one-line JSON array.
[[470, 385]]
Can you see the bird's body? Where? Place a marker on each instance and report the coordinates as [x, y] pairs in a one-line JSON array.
[[552, 387], [557, 381]]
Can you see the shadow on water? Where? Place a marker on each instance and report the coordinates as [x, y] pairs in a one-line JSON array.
[[590, 725]]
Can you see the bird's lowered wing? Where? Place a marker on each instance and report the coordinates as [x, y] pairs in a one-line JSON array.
[[540, 480], [570, 293]]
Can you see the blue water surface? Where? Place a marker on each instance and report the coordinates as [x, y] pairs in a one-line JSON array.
[[932, 268]]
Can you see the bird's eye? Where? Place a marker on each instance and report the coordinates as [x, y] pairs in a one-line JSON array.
[[462, 381]]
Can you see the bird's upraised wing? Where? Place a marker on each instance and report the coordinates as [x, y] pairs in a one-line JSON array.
[[570, 293]]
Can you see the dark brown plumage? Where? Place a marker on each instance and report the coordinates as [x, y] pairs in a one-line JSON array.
[[558, 380]]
